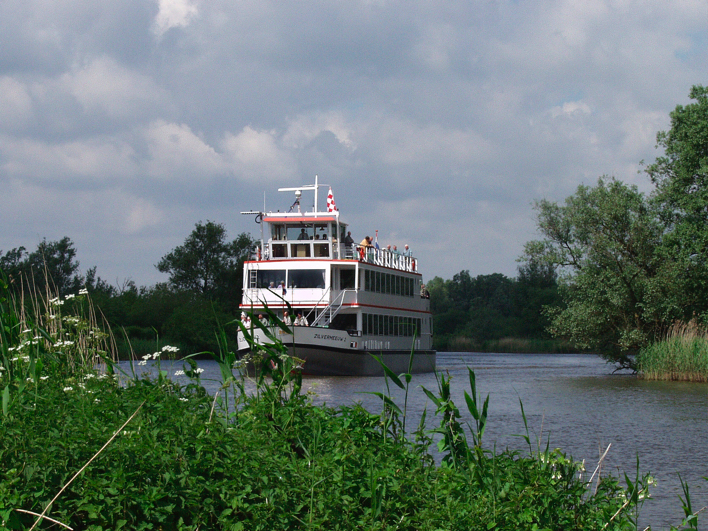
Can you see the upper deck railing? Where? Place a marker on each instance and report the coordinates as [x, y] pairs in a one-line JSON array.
[[386, 258], [337, 251]]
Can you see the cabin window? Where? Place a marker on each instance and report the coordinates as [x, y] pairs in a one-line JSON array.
[[344, 322], [321, 250], [300, 250], [346, 278], [300, 232], [278, 232], [280, 250], [306, 278], [270, 278]]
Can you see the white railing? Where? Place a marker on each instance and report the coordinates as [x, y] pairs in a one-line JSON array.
[[386, 258], [327, 314]]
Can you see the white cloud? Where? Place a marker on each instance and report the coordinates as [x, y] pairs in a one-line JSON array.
[[177, 154], [16, 111], [174, 14], [105, 86], [94, 160], [256, 157]]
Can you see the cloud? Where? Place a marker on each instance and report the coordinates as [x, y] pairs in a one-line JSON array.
[[437, 123], [174, 14]]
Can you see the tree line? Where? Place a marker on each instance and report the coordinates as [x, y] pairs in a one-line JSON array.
[[203, 289], [476, 313]]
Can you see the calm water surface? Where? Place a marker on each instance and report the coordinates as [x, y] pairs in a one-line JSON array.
[[574, 403]]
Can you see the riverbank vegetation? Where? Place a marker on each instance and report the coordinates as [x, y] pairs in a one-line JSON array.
[[630, 265], [86, 446], [494, 313], [682, 355]]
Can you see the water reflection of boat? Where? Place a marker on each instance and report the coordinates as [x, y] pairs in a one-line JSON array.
[[356, 299]]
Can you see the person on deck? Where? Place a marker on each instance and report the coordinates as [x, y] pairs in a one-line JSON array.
[[348, 240], [286, 319], [301, 320], [366, 242]]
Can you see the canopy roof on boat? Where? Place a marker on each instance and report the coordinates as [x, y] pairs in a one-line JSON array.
[[296, 217]]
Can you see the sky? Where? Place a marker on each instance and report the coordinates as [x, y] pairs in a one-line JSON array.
[[123, 123]]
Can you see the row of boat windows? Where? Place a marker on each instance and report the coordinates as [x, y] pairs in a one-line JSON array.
[[295, 278], [390, 284], [390, 325], [375, 281]]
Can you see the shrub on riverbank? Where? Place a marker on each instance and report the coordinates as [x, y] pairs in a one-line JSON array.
[[683, 355], [267, 459]]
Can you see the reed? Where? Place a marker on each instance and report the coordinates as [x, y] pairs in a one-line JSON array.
[[682, 355]]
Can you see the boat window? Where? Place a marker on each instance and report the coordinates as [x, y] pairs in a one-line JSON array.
[[300, 250], [280, 250], [321, 250], [346, 278], [267, 278], [307, 278], [278, 232], [344, 322], [300, 232], [321, 232]]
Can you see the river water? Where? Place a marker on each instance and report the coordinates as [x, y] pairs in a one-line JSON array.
[[572, 402]]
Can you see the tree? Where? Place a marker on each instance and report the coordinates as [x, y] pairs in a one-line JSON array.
[[681, 195], [208, 264], [620, 290], [52, 267]]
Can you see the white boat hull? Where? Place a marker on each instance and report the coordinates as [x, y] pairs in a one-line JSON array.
[[335, 353]]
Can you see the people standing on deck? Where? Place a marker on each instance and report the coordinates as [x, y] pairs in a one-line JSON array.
[[301, 320], [303, 235], [407, 252], [348, 240], [366, 242], [286, 319], [424, 294], [246, 320]]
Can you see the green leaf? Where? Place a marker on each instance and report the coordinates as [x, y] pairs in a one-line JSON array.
[[6, 400]]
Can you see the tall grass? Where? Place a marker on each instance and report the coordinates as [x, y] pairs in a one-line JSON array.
[[682, 355]]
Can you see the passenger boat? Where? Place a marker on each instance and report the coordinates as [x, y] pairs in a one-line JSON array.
[[357, 300]]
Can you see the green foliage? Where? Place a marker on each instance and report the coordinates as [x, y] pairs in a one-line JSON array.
[[208, 264], [470, 313], [682, 355], [52, 267], [619, 291], [631, 265], [177, 458]]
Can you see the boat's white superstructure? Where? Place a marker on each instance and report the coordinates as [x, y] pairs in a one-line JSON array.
[[356, 299]]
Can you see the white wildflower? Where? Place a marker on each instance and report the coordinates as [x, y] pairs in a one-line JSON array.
[[198, 370], [179, 373], [44, 377], [156, 355], [70, 296], [142, 362], [168, 348], [183, 399], [146, 356], [83, 291], [68, 388]]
